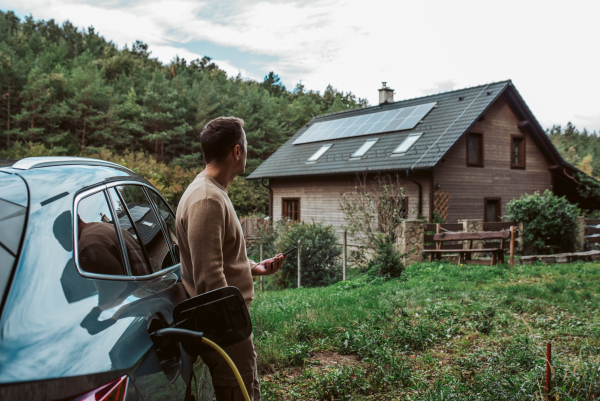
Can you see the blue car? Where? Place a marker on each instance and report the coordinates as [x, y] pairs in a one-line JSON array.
[[89, 266]]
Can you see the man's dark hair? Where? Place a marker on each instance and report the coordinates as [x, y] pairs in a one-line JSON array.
[[220, 136]]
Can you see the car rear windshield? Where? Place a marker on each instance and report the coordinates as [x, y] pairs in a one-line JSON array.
[[13, 212]]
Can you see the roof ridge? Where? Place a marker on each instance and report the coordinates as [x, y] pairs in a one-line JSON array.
[[508, 81]]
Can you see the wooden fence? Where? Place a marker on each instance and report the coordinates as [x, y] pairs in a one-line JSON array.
[[591, 231], [250, 227]]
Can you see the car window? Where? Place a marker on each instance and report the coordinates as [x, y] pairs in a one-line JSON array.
[[99, 248], [167, 216], [147, 225], [136, 253]]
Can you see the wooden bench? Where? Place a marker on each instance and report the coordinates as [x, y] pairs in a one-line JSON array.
[[464, 255]]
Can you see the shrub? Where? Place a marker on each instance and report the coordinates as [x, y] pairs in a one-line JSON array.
[[320, 254], [549, 221], [372, 213], [386, 262]]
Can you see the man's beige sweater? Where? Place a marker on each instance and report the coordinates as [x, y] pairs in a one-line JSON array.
[[211, 241]]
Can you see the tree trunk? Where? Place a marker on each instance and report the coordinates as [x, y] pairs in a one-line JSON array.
[[83, 135], [162, 148], [31, 123], [8, 120], [155, 141], [107, 124]]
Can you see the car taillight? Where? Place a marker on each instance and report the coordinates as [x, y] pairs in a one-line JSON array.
[[113, 391]]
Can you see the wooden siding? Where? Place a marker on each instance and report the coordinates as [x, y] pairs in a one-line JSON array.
[[320, 196], [468, 186]]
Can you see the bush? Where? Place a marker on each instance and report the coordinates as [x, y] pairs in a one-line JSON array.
[[386, 262], [549, 221], [320, 253]]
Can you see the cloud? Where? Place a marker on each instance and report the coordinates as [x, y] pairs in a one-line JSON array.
[[438, 87], [355, 45], [590, 121]]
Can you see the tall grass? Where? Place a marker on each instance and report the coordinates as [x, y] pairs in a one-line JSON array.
[[440, 331]]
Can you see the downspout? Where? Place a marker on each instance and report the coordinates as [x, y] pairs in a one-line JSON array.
[[270, 199], [420, 194]]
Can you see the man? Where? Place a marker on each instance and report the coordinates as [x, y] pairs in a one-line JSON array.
[[212, 246]]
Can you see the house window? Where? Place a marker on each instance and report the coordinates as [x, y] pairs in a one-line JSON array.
[[517, 151], [491, 209], [291, 209], [474, 149], [406, 144], [319, 153]]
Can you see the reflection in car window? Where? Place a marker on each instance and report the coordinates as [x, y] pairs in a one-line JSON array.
[[138, 261], [167, 215], [98, 245], [147, 225]]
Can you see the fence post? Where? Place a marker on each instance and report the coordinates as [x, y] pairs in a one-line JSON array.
[[344, 256], [262, 285], [410, 241], [299, 272], [548, 368], [512, 246], [473, 226], [581, 233]]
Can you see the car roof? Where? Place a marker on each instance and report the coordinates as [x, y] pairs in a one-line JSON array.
[[42, 173]]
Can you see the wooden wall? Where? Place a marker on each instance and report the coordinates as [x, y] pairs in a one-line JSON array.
[[320, 196], [468, 186]]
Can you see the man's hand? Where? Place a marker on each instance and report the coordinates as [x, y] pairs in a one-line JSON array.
[[269, 266]]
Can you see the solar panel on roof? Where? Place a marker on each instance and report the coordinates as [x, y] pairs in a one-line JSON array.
[[374, 123]]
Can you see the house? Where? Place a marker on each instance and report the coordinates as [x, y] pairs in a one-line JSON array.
[[464, 153]]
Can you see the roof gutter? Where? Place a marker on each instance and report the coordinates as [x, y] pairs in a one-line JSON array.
[[420, 194], [270, 199]]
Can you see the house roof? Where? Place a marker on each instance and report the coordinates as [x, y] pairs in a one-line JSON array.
[[453, 115]]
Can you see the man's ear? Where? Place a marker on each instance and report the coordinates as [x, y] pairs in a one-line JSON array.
[[237, 152]]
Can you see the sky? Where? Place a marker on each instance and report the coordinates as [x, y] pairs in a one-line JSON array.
[[549, 48]]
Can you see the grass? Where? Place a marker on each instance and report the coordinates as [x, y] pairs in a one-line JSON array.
[[440, 332]]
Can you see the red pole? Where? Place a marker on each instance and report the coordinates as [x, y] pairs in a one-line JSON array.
[[548, 367]]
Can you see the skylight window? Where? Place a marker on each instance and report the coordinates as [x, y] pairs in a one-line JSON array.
[[320, 152], [364, 148], [406, 144]]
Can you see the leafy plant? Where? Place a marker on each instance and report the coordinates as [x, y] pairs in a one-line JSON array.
[[386, 262], [549, 222], [320, 252], [372, 214]]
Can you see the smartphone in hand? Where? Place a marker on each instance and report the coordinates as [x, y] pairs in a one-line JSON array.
[[286, 252]]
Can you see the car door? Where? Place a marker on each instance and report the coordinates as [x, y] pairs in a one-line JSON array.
[[108, 249], [149, 219]]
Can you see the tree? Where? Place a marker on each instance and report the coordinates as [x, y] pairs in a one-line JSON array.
[[586, 164], [161, 113], [89, 103]]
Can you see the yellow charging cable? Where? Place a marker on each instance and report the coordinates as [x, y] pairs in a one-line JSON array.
[[231, 365]]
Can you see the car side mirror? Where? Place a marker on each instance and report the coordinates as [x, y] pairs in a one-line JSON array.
[[221, 315]]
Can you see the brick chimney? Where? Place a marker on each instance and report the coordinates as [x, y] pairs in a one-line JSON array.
[[386, 95]]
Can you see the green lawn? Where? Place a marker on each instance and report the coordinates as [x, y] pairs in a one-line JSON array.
[[440, 332]]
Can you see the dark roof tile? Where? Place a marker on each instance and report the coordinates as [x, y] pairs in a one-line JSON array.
[[441, 128]]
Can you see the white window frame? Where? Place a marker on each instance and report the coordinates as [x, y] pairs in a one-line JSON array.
[[319, 153], [403, 148], [365, 147]]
